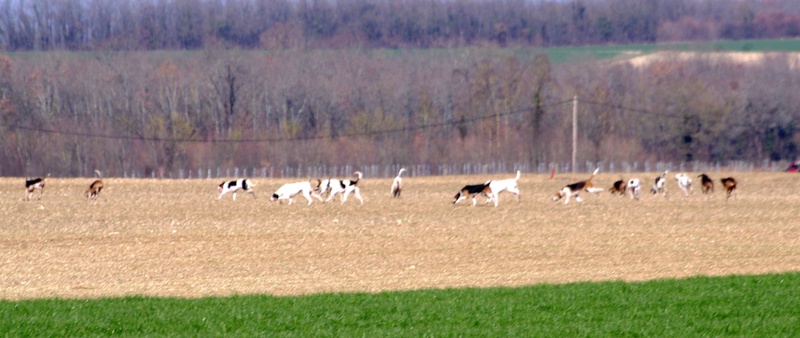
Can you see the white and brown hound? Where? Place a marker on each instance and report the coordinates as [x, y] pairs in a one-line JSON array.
[[575, 189], [289, 190], [472, 191]]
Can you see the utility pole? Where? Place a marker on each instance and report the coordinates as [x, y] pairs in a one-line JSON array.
[[575, 134]]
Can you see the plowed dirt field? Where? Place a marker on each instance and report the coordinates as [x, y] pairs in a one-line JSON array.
[[173, 238]]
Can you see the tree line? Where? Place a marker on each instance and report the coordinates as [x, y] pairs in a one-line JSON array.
[[68, 113], [40, 25]]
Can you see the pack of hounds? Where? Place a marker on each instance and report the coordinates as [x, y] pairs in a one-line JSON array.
[[314, 188], [633, 186], [330, 188]]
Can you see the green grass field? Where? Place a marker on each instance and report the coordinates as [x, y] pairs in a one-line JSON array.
[[764, 305], [570, 53], [566, 54]]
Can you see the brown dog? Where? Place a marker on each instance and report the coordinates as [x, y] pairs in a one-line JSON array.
[[618, 187], [729, 183], [706, 183], [95, 187]]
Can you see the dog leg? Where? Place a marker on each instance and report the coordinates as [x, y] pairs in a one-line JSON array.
[[307, 195], [515, 191], [357, 194]]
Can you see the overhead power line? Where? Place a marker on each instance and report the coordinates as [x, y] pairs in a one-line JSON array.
[[280, 139], [377, 132]]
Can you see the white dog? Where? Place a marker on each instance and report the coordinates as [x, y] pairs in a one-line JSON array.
[[289, 190], [634, 188], [234, 186], [334, 187], [397, 184], [499, 186], [684, 182]]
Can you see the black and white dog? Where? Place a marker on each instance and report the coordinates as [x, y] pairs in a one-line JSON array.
[[234, 186], [289, 190], [472, 191], [660, 184], [334, 187], [31, 184]]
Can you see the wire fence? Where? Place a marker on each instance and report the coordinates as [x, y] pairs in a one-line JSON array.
[[418, 170]]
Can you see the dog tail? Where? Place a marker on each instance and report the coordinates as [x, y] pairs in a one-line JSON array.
[[593, 173], [400, 173], [358, 176], [518, 174], [99, 174]]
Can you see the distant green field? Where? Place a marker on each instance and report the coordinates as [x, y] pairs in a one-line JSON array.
[[570, 53], [764, 305], [565, 54]]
